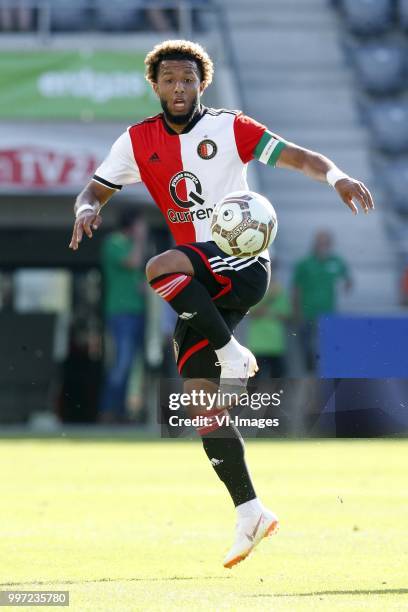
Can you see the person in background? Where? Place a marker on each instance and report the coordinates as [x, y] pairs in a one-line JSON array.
[[160, 19], [267, 330], [315, 282], [123, 261], [404, 288], [15, 16], [171, 19]]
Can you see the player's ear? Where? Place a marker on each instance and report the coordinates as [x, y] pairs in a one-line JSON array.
[[155, 89], [202, 87]]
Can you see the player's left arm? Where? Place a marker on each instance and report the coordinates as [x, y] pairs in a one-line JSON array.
[[254, 140], [321, 168]]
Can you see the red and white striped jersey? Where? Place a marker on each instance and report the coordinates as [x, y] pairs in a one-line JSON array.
[[188, 173]]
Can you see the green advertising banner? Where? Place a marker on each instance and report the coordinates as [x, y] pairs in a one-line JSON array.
[[75, 85]]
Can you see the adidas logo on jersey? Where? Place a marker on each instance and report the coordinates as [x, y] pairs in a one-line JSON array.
[[154, 158]]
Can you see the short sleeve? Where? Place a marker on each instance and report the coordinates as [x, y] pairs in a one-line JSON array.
[[248, 133], [254, 140], [119, 167]]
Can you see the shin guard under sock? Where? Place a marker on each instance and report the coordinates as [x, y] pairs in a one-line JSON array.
[[192, 302], [225, 450]]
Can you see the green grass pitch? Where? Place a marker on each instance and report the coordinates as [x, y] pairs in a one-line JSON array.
[[138, 525]]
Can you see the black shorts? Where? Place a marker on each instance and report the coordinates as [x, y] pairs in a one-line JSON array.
[[235, 285]]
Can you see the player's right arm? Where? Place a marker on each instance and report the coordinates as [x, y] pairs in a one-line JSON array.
[[118, 169], [86, 209]]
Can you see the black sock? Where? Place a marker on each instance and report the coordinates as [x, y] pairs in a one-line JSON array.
[[191, 300], [225, 449]]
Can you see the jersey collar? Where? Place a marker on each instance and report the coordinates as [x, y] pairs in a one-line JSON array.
[[189, 126]]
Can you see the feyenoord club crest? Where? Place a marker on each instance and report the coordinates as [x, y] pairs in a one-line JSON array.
[[207, 149]]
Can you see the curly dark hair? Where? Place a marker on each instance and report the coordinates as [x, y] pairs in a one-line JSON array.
[[179, 49]]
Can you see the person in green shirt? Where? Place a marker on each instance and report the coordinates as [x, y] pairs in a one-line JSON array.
[[124, 305], [267, 331], [315, 283]]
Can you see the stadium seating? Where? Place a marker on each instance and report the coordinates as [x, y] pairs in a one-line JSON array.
[[120, 15], [73, 16], [380, 67], [368, 17], [117, 15], [403, 13], [389, 124], [395, 181]]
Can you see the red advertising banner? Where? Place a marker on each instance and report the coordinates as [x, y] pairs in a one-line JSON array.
[[33, 167]]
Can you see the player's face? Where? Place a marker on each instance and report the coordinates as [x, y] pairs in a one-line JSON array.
[[179, 89]]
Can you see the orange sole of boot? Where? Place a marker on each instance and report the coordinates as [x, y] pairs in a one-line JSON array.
[[272, 530]]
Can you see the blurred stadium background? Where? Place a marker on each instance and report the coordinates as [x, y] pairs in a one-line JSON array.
[[329, 75]]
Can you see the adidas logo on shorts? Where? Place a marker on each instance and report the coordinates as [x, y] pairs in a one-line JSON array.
[[187, 315], [215, 461]]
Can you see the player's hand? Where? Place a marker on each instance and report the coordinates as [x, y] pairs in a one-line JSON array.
[[350, 190], [84, 224]]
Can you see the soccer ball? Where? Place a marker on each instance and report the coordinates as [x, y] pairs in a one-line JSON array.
[[244, 224]]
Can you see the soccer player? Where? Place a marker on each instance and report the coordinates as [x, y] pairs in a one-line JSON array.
[[189, 157]]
